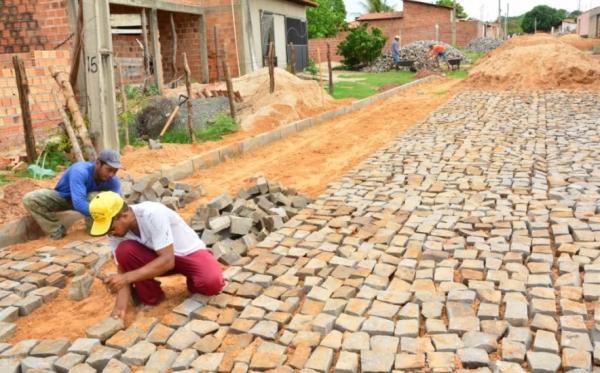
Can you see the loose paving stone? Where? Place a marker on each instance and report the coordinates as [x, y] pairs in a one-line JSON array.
[[68, 361], [138, 354], [101, 356], [320, 360], [208, 362], [347, 363], [84, 346], [543, 362], [375, 362], [183, 360], [116, 366], [105, 328], [50, 347]]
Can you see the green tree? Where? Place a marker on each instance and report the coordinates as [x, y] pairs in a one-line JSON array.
[[326, 19], [361, 47], [544, 16], [377, 6], [575, 14], [460, 11]]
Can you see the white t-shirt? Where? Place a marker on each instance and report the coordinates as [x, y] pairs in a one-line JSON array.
[[160, 227]]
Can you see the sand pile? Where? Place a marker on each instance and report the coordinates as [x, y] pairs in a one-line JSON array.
[[293, 99], [579, 42], [538, 62]]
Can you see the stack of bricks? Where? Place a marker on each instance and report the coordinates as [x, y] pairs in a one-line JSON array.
[[42, 87]]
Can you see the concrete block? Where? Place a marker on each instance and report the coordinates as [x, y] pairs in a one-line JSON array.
[[178, 171], [206, 160], [240, 225], [230, 151], [81, 287], [303, 124], [288, 130], [105, 328]]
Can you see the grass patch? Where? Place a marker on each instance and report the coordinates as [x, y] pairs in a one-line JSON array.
[[215, 131], [369, 83], [3, 180], [473, 56], [458, 74]]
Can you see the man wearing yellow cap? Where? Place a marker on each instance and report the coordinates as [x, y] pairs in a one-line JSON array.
[[150, 240]]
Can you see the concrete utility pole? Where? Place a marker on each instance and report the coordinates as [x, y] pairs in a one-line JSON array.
[[506, 21], [454, 22], [535, 26], [500, 17]]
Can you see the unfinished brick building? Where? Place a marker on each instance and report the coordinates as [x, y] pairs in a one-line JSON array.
[[417, 21], [42, 32]]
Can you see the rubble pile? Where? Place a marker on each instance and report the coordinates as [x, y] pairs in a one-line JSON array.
[[483, 45], [416, 51], [230, 226], [171, 194]]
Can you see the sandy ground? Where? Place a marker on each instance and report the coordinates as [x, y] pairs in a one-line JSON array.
[[307, 161]]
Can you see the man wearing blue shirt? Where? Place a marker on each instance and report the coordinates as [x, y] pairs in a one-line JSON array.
[[75, 188]]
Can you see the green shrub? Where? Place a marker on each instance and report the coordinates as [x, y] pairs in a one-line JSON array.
[[361, 47], [215, 131], [223, 125], [311, 67]]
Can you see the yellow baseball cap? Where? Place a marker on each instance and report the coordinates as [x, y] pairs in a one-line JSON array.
[[103, 208]]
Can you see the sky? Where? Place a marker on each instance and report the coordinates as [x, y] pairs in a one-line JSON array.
[[487, 8]]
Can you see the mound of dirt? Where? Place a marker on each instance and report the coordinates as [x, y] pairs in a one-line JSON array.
[[11, 195], [293, 99], [579, 42], [536, 62]]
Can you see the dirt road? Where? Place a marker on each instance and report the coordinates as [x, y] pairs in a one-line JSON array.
[[307, 161]]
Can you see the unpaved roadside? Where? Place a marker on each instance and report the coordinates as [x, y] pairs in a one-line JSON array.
[[307, 161]]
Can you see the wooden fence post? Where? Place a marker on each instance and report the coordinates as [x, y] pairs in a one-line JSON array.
[[190, 107], [271, 68], [124, 103], [23, 88], [230, 93], [293, 58], [67, 91], [330, 69]]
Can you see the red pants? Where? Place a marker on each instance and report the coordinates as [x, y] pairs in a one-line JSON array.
[[201, 270]]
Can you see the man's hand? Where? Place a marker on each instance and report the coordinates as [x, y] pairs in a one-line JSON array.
[[116, 282], [118, 313]]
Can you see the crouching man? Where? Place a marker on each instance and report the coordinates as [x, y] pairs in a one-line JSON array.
[[150, 240]]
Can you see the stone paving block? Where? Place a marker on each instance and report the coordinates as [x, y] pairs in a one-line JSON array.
[[320, 360], [208, 362], [105, 329], [543, 362], [50, 347], [84, 346], [183, 360], [101, 356], [64, 363], [116, 366], [181, 339]]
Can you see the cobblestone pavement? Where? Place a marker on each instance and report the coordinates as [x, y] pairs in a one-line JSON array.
[[471, 242]]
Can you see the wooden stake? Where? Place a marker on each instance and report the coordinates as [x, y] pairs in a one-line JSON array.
[[329, 69], [216, 37], [174, 33], [75, 56], [271, 68], [145, 47], [230, 93], [23, 88], [292, 58], [319, 70], [124, 103], [69, 130], [67, 91], [190, 107]]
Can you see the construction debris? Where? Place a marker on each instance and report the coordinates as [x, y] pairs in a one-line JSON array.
[[483, 45], [232, 225], [171, 194], [417, 52]]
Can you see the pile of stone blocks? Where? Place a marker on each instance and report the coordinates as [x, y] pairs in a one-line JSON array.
[[483, 45], [28, 279], [230, 226], [170, 193]]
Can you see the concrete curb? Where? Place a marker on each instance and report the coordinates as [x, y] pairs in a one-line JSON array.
[[25, 228]]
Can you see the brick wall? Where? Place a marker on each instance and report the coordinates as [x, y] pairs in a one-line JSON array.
[[221, 17], [27, 25], [467, 31], [44, 114], [321, 45]]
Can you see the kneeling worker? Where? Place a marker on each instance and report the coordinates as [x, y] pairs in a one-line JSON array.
[[80, 183], [150, 240]]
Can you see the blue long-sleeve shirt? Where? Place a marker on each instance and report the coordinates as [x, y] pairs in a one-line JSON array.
[[395, 49], [78, 181]]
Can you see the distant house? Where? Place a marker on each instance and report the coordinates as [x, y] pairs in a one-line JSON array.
[[588, 23], [425, 21], [568, 25]]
